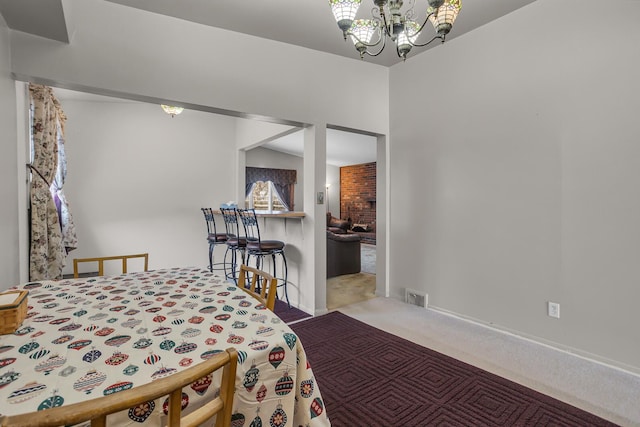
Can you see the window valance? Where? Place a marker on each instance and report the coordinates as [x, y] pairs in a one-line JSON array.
[[277, 176]]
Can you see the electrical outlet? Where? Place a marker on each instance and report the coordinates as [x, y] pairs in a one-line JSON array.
[[553, 309]]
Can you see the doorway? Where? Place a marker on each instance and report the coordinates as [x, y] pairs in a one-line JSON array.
[[352, 194]]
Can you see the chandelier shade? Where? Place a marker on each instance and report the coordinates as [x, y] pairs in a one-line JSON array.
[[362, 31], [390, 22], [345, 12], [445, 17], [407, 38], [171, 110]]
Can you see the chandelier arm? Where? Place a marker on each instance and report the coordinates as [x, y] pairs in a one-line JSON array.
[[384, 42], [400, 55], [410, 13], [380, 38], [421, 27], [384, 22], [430, 41]]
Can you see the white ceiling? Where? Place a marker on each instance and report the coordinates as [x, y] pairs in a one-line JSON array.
[[343, 148], [42, 18], [310, 23], [307, 23]]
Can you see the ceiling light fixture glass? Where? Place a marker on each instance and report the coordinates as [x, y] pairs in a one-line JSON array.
[[171, 110], [389, 22]]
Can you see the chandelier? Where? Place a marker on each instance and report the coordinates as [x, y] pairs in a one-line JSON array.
[[389, 22], [171, 110]]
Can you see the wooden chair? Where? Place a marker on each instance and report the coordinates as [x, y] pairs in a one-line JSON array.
[[264, 290], [96, 410], [101, 261]]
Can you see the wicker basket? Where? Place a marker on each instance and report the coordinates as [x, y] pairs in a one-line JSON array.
[[12, 314]]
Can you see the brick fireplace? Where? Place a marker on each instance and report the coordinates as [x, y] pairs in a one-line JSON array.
[[358, 199]]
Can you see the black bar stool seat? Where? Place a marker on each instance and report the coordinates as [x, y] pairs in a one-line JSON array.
[[265, 246], [259, 248]]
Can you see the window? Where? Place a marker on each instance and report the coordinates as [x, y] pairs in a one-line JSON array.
[[264, 196], [270, 189]]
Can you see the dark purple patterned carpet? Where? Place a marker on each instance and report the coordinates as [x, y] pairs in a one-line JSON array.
[[287, 314], [371, 378]]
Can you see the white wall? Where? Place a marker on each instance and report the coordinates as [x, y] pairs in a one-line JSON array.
[[154, 56], [252, 133], [137, 179], [159, 56], [9, 272], [521, 170], [265, 158]]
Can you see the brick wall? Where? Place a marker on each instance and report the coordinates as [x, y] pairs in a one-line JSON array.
[[358, 193]]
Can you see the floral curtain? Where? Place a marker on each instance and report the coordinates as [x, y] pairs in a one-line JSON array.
[[67, 226], [46, 251]]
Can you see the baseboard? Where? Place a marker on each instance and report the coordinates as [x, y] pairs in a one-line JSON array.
[[609, 363], [312, 312], [318, 312]]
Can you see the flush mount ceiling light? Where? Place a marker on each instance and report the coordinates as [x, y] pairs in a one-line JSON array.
[[389, 22], [171, 110]]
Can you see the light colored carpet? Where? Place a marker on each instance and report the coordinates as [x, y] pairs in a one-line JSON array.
[[368, 258], [349, 289], [605, 391]]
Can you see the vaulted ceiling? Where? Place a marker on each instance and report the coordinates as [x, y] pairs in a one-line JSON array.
[[307, 23]]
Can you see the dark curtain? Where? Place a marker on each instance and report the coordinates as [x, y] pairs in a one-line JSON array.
[[283, 180]]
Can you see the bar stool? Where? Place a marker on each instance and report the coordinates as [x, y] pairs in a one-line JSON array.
[[261, 248], [235, 242], [213, 237]]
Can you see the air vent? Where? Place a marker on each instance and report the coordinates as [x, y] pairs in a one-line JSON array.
[[416, 298]]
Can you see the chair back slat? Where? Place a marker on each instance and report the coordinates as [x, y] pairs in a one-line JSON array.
[[96, 410], [230, 222], [250, 224], [259, 284], [210, 220], [101, 261]]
